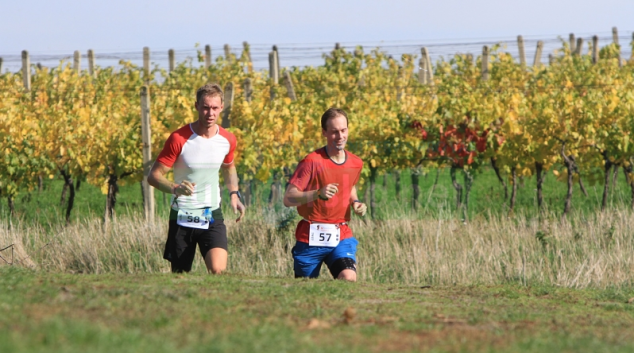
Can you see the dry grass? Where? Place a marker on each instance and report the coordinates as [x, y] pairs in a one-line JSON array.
[[589, 251]]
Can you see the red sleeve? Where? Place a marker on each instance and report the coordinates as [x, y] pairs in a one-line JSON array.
[[232, 145], [303, 173], [172, 149]]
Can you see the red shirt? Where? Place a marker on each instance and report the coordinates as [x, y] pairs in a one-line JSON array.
[[316, 171]]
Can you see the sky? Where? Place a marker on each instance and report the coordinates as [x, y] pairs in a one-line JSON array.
[[302, 29]]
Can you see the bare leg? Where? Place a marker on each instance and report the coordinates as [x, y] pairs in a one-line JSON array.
[[348, 275], [216, 260]]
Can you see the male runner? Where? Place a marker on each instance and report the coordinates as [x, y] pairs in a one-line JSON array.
[[323, 189], [197, 151]]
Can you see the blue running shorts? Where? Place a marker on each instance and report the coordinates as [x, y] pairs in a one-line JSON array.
[[308, 259]]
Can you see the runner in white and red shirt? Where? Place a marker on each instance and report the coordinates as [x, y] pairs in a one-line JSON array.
[[197, 152]]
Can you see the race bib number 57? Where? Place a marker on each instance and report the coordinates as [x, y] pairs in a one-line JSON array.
[[198, 218], [323, 234]]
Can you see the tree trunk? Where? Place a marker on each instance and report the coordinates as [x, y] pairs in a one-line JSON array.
[[502, 181], [276, 185], [40, 184], [456, 186], [62, 199], [68, 183], [541, 176], [11, 212], [513, 190], [373, 175], [111, 197], [570, 167], [468, 182], [606, 181], [253, 190], [77, 185], [415, 176], [385, 181], [576, 170]]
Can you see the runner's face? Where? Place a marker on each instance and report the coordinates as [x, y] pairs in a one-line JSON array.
[[209, 109], [336, 132]]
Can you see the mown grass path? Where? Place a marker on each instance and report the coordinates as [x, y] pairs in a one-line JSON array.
[[44, 312]]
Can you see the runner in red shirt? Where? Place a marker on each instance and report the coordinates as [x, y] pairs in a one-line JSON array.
[[197, 152], [323, 190]]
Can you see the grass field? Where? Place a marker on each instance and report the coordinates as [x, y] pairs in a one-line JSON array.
[[427, 280], [43, 312]]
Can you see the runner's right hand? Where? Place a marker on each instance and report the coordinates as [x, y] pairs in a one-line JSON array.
[[328, 191], [185, 188]]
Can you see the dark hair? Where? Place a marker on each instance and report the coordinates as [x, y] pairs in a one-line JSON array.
[[211, 90], [332, 113]]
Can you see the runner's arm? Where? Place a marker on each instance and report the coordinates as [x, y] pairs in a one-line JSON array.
[[359, 207], [157, 179], [295, 197], [230, 175]]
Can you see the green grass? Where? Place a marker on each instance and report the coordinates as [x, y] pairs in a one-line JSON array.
[[198, 313], [487, 197]]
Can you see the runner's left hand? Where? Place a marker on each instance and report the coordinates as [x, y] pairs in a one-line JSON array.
[[237, 205], [359, 208]]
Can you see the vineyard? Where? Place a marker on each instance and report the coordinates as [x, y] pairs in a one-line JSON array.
[[570, 119]]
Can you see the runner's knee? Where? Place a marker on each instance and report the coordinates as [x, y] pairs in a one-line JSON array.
[[348, 275], [341, 264]]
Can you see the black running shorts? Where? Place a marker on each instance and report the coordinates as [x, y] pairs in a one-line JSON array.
[[180, 247]]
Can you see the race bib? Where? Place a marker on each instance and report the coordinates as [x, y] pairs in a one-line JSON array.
[[197, 218], [323, 234]]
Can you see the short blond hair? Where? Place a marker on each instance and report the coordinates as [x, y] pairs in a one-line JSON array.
[[210, 90]]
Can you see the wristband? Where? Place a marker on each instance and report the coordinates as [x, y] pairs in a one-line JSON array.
[[174, 188], [321, 198], [356, 201]]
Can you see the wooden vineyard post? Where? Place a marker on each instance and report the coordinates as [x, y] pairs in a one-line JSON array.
[[227, 52], [615, 39], [551, 59], [247, 53], [288, 82], [520, 47], [485, 63], [207, 56], [538, 54], [579, 46], [277, 61], [171, 59], [595, 49], [426, 67], [146, 65], [273, 73], [228, 102], [422, 71], [146, 135], [1, 62], [248, 90], [26, 70], [77, 62], [430, 68], [571, 39], [91, 63], [425, 76]]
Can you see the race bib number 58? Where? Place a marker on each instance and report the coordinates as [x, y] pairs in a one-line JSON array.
[[323, 234], [198, 218]]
